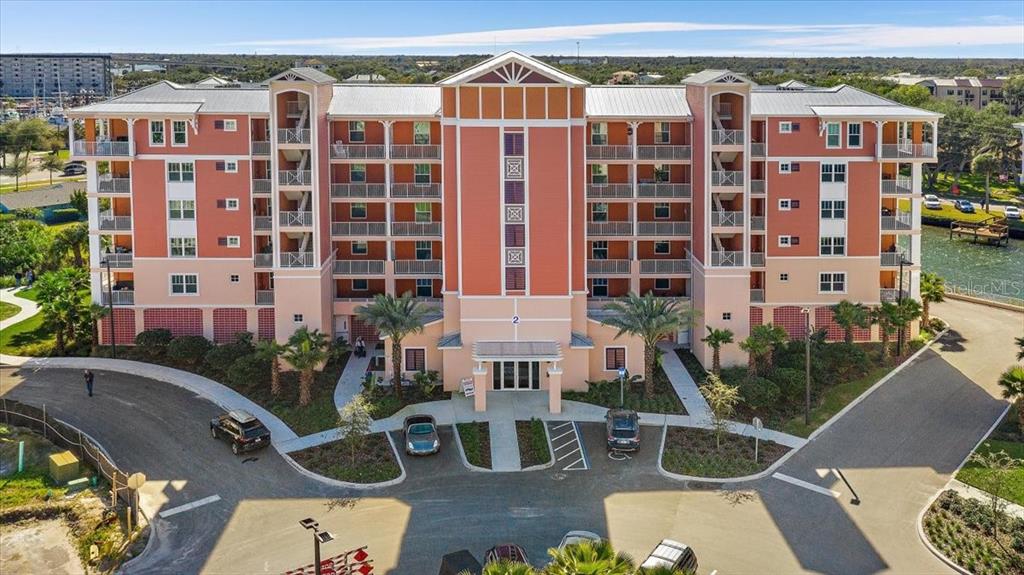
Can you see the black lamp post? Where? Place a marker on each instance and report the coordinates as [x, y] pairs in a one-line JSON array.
[[807, 365], [899, 300], [318, 538], [110, 303]]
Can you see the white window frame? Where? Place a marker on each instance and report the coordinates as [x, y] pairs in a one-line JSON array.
[[230, 125], [598, 245], [424, 282], [364, 251], [356, 127], [785, 204], [423, 212], [180, 207], [594, 284], [234, 242], [423, 245], [356, 169], [298, 318], [231, 204], [231, 166], [351, 211], [831, 244], [668, 284], [785, 168], [668, 247], [625, 357], [417, 134], [174, 132], [784, 277], [599, 174], [832, 172], [833, 207], [662, 133], [184, 246], [838, 135], [832, 281], [181, 171], [162, 132], [599, 133], [860, 135], [726, 316], [663, 206], [419, 171], [184, 284], [354, 288], [598, 208], [785, 241], [785, 127]]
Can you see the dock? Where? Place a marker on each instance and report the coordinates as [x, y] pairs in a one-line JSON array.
[[993, 231]]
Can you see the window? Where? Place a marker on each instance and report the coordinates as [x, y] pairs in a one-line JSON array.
[[833, 246], [360, 285], [661, 248], [599, 250], [832, 139], [832, 282], [833, 173], [181, 172], [359, 248], [357, 173], [785, 127], [183, 247], [181, 209], [599, 212], [783, 277], [231, 204], [514, 144], [662, 133], [599, 174], [614, 358], [415, 359], [229, 166], [421, 173], [661, 284], [297, 318], [421, 133], [599, 134], [949, 91], [424, 288], [230, 125], [853, 135], [356, 132], [515, 235], [424, 250], [661, 173], [156, 132], [785, 241], [599, 287], [184, 284], [357, 211], [785, 168], [515, 193], [785, 205], [727, 316], [833, 209], [179, 133], [515, 279], [423, 213], [662, 211], [234, 278], [233, 242]]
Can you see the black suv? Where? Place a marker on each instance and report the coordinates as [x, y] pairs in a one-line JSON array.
[[241, 429], [623, 426]]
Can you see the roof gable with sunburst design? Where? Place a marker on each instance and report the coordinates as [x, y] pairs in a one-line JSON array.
[[513, 68]]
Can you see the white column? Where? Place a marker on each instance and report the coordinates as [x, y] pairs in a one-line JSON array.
[[879, 126], [96, 286], [94, 251], [94, 212], [92, 176], [131, 136]]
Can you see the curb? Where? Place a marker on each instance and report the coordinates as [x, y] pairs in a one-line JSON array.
[[346, 484], [551, 452], [724, 481], [462, 453]]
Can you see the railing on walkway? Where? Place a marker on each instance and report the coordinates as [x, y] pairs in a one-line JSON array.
[[410, 190], [358, 267], [260, 148], [663, 228], [726, 137], [261, 186], [418, 267], [726, 178], [293, 136], [264, 297], [663, 190], [415, 152], [295, 177], [609, 152], [121, 297], [358, 151], [664, 266], [117, 260], [663, 152], [608, 267], [111, 185], [609, 191]]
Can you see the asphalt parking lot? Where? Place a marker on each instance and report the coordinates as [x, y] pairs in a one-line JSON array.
[[621, 465]]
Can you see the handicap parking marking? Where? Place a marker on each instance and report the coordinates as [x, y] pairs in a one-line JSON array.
[[567, 445]]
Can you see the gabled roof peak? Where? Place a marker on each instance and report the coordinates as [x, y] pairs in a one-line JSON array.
[[705, 77], [513, 68], [308, 74]]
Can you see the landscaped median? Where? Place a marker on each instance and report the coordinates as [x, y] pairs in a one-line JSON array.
[[373, 461], [963, 530], [474, 440], [534, 447], [606, 394], [693, 452]]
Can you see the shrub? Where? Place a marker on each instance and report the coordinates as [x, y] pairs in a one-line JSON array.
[[791, 383], [759, 392], [843, 361], [222, 357], [63, 215], [248, 371], [188, 351], [734, 375], [152, 344]]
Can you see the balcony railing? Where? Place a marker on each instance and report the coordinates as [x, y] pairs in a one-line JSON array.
[[756, 296], [897, 221], [659, 267], [295, 219], [757, 187], [358, 151], [726, 137], [900, 185], [358, 190], [120, 297], [359, 267], [757, 259], [608, 267], [757, 223], [726, 219], [109, 221], [723, 258], [892, 259], [359, 228], [663, 152], [261, 186], [609, 228], [295, 177], [296, 259], [411, 190], [609, 152], [908, 150], [110, 185], [758, 150], [102, 148], [418, 267], [663, 190], [261, 148], [262, 223], [725, 178], [415, 152], [293, 136], [891, 294], [264, 297], [117, 260], [663, 228], [609, 191], [416, 228], [263, 260]]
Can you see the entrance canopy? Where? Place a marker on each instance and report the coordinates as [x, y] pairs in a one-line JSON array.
[[517, 351]]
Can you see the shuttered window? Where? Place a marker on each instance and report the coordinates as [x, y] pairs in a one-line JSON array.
[[614, 358]]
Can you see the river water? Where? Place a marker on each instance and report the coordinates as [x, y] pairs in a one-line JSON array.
[[975, 269]]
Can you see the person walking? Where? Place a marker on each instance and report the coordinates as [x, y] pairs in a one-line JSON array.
[[30, 278], [88, 381], [360, 347], [17, 279]]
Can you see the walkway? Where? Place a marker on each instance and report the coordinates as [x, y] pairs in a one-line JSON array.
[[351, 381], [504, 445], [684, 385], [1011, 509], [28, 307]]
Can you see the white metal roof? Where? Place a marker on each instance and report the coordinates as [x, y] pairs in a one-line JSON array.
[[517, 350], [892, 111], [499, 61], [165, 97], [637, 102], [113, 107], [773, 102], [712, 76], [385, 100]]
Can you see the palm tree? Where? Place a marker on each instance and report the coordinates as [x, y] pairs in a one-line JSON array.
[[716, 338], [985, 163], [1019, 341], [907, 311], [884, 316], [849, 315], [270, 350], [17, 168], [395, 318], [588, 557], [760, 347], [306, 351], [506, 567], [72, 238], [62, 306], [651, 319], [1012, 382], [933, 290], [51, 163]]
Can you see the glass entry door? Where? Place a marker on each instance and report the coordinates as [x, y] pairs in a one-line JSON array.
[[515, 375]]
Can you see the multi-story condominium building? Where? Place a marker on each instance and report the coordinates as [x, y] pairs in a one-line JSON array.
[[515, 199], [965, 91], [44, 75]]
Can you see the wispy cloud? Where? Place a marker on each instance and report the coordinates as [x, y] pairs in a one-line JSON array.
[[889, 37]]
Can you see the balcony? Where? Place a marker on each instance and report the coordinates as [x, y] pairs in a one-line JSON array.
[[102, 149], [726, 219], [117, 260], [264, 297], [415, 152], [417, 191], [724, 110], [892, 259], [726, 137], [757, 259], [120, 297], [359, 267], [891, 295], [908, 150], [108, 184], [757, 223], [295, 219], [721, 258], [663, 190], [663, 229], [609, 191], [608, 267], [664, 267], [262, 223], [418, 267], [898, 221], [293, 136], [296, 259], [663, 152], [295, 177], [358, 191], [359, 228], [756, 296], [757, 187], [295, 108], [898, 186], [110, 222], [358, 151], [261, 148], [609, 152], [261, 186], [726, 178], [758, 150], [609, 228], [416, 229], [263, 260]]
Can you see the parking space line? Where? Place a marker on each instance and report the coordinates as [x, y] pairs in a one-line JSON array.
[[561, 425], [567, 444], [571, 468], [189, 506], [570, 432], [568, 453], [806, 485]]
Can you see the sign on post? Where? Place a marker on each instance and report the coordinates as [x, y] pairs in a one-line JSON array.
[[758, 426]]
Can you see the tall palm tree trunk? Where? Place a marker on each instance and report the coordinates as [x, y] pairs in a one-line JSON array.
[[848, 335], [396, 367], [925, 313], [275, 376], [305, 387], [76, 250], [716, 361], [885, 345], [650, 356]]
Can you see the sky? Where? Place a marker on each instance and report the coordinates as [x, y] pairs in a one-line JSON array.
[[960, 29]]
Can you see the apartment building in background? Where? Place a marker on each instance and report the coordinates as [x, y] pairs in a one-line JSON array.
[[965, 91], [514, 199], [44, 76]]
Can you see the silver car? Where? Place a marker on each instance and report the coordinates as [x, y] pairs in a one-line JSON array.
[[421, 435]]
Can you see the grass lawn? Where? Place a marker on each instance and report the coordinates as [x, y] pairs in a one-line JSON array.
[[476, 442], [31, 293], [693, 452], [832, 401], [29, 336], [948, 212], [35, 185], [972, 187], [533, 443], [374, 460], [1007, 437], [961, 529], [606, 394], [32, 485], [8, 310]]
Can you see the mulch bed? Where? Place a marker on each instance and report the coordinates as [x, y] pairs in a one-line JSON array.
[[476, 443], [961, 529], [374, 462], [533, 443], [690, 451]]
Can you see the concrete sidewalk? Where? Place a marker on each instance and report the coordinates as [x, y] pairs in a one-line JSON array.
[[28, 307], [351, 381], [1011, 509], [694, 402], [504, 445]]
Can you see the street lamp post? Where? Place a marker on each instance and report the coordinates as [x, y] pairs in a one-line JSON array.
[[318, 538], [807, 365], [899, 301], [110, 303]]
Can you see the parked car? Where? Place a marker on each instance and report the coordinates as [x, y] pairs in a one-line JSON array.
[[241, 429], [964, 206], [1012, 212], [575, 537], [71, 169], [507, 551], [421, 435], [623, 427], [459, 562], [672, 555], [931, 201]]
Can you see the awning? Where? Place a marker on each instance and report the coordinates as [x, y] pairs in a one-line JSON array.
[[517, 351]]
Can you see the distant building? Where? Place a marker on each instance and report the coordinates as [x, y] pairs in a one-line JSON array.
[[645, 78], [365, 79], [965, 91], [623, 77], [311, 63], [576, 61], [44, 75], [427, 63]]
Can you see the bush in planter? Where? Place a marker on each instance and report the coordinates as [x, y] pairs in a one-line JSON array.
[[222, 357], [843, 361], [151, 344], [759, 392], [188, 351], [248, 371], [791, 382]]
